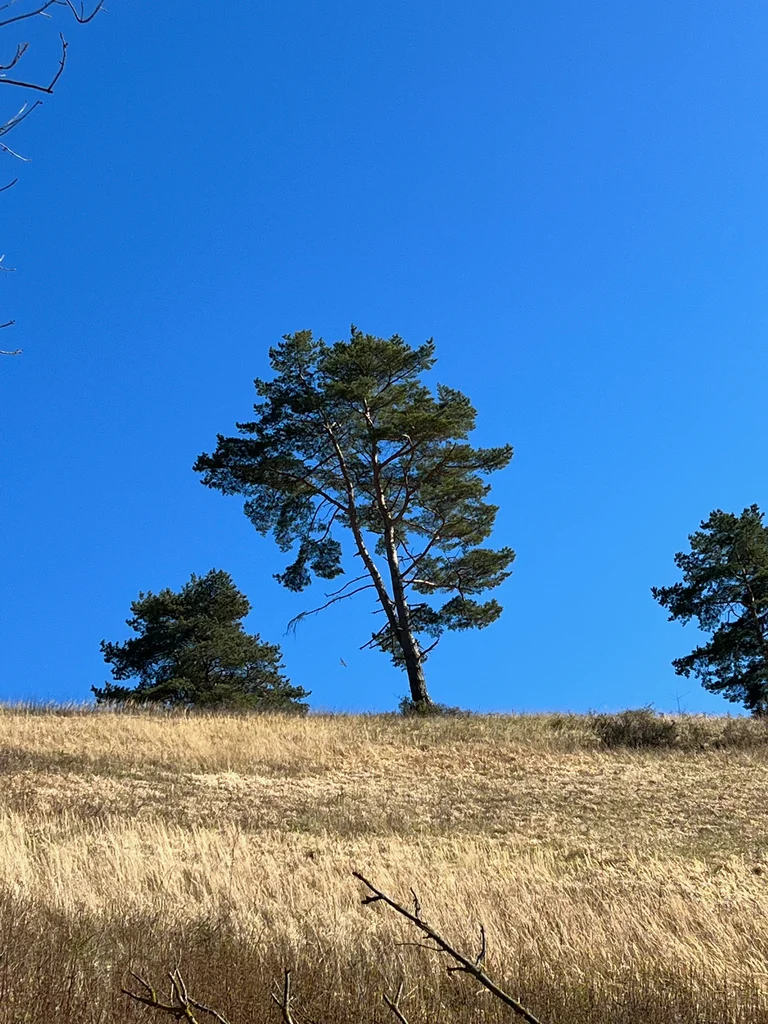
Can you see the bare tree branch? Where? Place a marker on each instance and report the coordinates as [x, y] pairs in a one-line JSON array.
[[16, 120], [21, 49], [29, 14], [41, 10], [335, 593], [33, 85], [80, 16], [291, 627], [6, 352], [463, 964]]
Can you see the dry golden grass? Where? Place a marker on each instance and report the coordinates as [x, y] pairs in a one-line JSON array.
[[615, 885]]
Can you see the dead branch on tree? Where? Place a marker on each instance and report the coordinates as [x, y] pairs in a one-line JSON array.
[[181, 1005], [463, 964], [7, 352]]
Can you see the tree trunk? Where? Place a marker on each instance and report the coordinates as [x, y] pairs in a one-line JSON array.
[[412, 655], [408, 643], [415, 670]]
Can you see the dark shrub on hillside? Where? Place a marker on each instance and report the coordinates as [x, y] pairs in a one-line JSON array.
[[410, 709], [742, 734], [638, 727]]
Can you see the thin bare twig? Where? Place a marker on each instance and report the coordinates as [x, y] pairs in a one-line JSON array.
[[29, 14], [6, 352], [42, 10], [15, 121], [472, 967], [81, 17], [21, 49]]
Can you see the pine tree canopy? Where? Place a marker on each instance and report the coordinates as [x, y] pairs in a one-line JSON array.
[[725, 588], [192, 651], [346, 437]]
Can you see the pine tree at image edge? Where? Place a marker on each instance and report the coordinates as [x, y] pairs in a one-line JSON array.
[[725, 588]]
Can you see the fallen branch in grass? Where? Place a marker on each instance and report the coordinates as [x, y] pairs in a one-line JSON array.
[[463, 964], [394, 1004], [181, 1006]]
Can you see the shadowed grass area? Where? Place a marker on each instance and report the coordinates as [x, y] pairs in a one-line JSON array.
[[615, 883]]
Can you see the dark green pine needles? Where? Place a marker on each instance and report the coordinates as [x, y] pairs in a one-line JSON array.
[[347, 439], [192, 651]]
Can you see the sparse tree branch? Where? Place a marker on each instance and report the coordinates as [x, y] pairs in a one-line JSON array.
[[416, 560], [408, 447], [80, 16], [42, 88], [335, 593], [16, 120], [29, 14], [41, 10], [291, 627], [7, 352], [474, 968]]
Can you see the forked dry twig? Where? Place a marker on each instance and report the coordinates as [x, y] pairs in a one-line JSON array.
[[282, 998], [181, 1005], [462, 963], [394, 1004]]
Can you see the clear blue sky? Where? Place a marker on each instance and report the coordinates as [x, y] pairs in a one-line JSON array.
[[570, 198]]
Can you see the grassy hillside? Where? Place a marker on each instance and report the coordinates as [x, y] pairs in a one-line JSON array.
[[615, 885]]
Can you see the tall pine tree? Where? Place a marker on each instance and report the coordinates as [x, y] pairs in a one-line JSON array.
[[347, 438]]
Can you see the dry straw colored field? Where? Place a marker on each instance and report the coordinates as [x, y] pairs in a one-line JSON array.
[[615, 885]]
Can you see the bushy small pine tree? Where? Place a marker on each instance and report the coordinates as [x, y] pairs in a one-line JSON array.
[[192, 651]]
